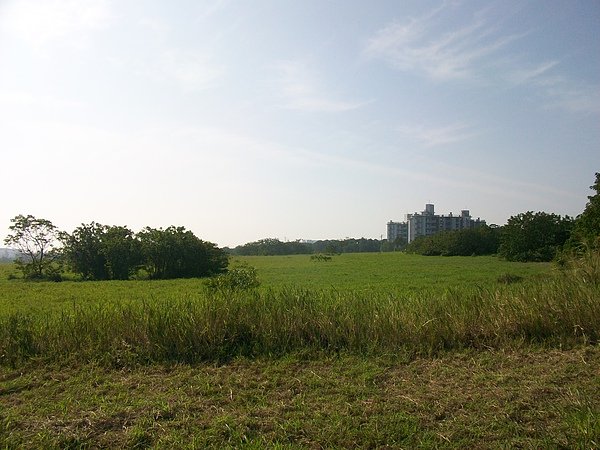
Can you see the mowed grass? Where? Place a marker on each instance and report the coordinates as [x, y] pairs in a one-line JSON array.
[[437, 353], [525, 398]]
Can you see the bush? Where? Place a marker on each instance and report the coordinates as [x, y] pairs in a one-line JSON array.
[[240, 278]]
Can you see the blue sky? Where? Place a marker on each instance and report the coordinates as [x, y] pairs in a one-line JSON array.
[[313, 119]]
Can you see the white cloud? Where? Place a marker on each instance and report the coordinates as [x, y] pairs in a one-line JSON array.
[[40, 22], [435, 136], [531, 74], [418, 45], [574, 97], [558, 90], [469, 50], [301, 89]]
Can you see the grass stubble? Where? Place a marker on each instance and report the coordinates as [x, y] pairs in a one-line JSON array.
[[514, 366]]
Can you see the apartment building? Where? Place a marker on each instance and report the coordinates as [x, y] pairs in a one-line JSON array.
[[427, 223]]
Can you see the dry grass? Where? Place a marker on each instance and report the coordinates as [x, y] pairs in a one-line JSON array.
[[523, 398]]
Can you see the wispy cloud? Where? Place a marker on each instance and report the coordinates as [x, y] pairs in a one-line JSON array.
[[40, 22], [574, 97], [469, 49], [301, 89], [524, 75], [436, 136], [420, 45], [558, 90]]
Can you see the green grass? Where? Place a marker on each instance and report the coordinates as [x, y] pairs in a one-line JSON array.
[[523, 398], [388, 272], [183, 321], [364, 351]]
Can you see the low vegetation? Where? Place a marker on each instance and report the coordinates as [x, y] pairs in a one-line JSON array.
[[172, 363], [520, 398], [218, 324]]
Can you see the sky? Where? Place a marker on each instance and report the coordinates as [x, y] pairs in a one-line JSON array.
[[319, 119]]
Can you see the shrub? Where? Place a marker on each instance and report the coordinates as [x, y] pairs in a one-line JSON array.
[[240, 278]]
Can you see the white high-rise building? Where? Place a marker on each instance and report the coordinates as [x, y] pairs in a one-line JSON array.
[[427, 223]]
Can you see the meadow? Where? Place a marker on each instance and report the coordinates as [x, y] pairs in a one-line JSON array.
[[364, 350]]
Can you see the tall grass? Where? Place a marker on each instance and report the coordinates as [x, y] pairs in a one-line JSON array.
[[217, 325]]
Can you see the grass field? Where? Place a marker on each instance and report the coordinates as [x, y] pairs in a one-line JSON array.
[[365, 350], [390, 273]]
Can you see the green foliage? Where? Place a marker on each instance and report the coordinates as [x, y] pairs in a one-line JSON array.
[[83, 251], [100, 252], [483, 240], [271, 247], [534, 236], [175, 252], [36, 241], [240, 278], [195, 326], [587, 226], [348, 245], [122, 251], [398, 244]]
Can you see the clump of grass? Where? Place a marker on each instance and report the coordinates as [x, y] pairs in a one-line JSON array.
[[509, 278], [320, 257], [219, 324]]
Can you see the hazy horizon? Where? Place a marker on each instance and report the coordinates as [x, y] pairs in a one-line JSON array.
[[295, 120]]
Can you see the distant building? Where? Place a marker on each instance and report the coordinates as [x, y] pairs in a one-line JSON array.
[[397, 230], [427, 223]]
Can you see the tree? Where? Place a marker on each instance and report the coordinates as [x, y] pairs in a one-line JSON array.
[[36, 240], [100, 252], [587, 225], [534, 236], [83, 251], [177, 253], [122, 252], [482, 240]]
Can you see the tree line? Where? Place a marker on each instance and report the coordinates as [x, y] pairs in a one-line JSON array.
[[100, 252], [272, 247], [529, 236]]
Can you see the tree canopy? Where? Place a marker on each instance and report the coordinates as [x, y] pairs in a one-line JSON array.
[[99, 252], [177, 253], [271, 246], [533, 236], [587, 225], [483, 240], [36, 241]]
